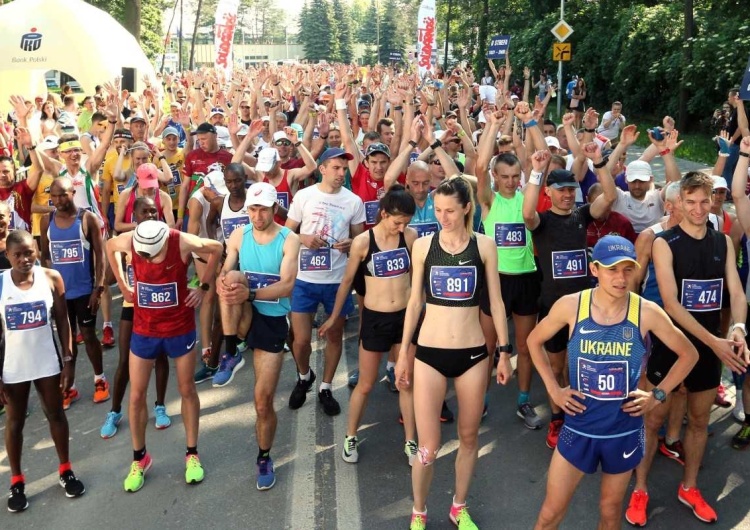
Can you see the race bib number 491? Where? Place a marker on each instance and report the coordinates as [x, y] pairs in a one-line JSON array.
[[568, 264]]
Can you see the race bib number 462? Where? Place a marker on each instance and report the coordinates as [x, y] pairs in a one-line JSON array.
[[157, 296], [318, 260]]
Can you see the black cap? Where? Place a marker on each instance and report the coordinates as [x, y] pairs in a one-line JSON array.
[[377, 148], [123, 133], [137, 117], [204, 127], [562, 178]]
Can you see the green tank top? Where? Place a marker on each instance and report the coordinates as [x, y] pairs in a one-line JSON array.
[[504, 223]]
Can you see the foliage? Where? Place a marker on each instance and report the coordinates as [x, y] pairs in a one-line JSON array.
[[316, 33], [152, 34], [344, 36]]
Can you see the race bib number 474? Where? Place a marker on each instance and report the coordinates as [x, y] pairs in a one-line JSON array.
[[702, 295]]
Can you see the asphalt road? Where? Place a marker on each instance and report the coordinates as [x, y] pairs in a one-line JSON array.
[[315, 488]]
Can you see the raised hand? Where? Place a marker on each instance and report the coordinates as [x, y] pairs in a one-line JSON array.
[[590, 118], [291, 134], [19, 105], [539, 160], [629, 135], [568, 119], [593, 151]]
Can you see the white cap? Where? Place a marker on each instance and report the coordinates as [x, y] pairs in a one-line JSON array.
[[149, 237], [260, 194], [638, 170], [266, 118], [552, 142], [49, 142], [215, 181], [279, 135], [222, 136], [719, 182], [267, 158], [439, 134], [244, 129]]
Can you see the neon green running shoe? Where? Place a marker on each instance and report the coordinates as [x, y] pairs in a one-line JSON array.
[[418, 521], [462, 519], [193, 470], [135, 479], [194, 282]]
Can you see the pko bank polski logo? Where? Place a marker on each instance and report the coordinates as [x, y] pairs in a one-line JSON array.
[[31, 42]]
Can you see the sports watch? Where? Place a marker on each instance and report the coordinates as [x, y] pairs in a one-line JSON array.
[[659, 394], [508, 348]]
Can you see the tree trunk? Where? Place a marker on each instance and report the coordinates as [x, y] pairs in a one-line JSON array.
[[195, 34], [682, 115], [132, 18]]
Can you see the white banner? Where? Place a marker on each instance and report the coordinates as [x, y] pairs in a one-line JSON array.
[[226, 22], [426, 36]]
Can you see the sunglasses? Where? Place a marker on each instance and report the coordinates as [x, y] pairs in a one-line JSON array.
[[435, 162], [455, 141], [244, 106], [285, 143]]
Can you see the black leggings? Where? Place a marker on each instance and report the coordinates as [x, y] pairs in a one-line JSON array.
[[450, 362]]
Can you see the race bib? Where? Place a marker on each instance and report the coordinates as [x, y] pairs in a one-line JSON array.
[[603, 380], [25, 316], [157, 295], [258, 280], [120, 188], [282, 197], [425, 229], [702, 295], [371, 212], [453, 283], [176, 180], [12, 224], [390, 263], [568, 264], [510, 235], [130, 275], [229, 225], [64, 252], [315, 260]]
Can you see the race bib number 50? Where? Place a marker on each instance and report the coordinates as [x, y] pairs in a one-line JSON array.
[[157, 296], [603, 380], [453, 283]]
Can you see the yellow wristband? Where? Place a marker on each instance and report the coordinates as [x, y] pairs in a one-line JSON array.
[[181, 212]]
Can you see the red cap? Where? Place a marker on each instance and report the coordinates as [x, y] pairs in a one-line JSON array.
[[148, 176]]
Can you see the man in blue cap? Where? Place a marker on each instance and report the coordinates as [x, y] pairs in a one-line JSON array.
[[603, 407]]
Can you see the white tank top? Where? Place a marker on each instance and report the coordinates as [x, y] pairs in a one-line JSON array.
[[30, 349], [16, 223], [231, 219]]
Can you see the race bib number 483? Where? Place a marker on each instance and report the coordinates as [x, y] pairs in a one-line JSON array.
[[510, 235]]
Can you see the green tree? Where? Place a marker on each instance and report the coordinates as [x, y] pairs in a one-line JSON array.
[[392, 34], [145, 17], [344, 36], [316, 30]]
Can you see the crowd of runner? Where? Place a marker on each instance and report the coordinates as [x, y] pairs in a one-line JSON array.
[[227, 208]]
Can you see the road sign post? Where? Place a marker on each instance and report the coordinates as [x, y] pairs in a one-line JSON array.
[[561, 31]]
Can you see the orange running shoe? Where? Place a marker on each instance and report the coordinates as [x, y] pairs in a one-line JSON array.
[[79, 338], [101, 391], [108, 337], [70, 397], [553, 433], [636, 512], [693, 499]]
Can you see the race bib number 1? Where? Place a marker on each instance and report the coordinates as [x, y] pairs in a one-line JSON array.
[[65, 252], [603, 380], [510, 235], [390, 263], [453, 283], [702, 295], [568, 264], [25, 316], [315, 260], [258, 280], [157, 296]]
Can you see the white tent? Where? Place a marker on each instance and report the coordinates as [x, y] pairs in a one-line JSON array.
[[70, 36]]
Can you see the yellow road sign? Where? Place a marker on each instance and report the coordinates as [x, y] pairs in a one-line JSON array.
[[562, 51], [562, 30]]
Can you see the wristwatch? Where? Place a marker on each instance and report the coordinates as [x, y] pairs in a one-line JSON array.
[[659, 394], [251, 296], [204, 286], [68, 359], [508, 348]]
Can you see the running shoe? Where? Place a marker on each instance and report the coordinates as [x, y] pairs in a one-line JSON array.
[[353, 378], [228, 366], [161, 419], [742, 439], [446, 414], [410, 450], [529, 416], [675, 451], [101, 391], [108, 337], [135, 479], [2, 410], [390, 374], [79, 338], [721, 398], [418, 521], [111, 423], [73, 487], [636, 512], [17, 498], [70, 397], [242, 346], [193, 470], [266, 476], [553, 433], [194, 282], [461, 518], [205, 373], [299, 393], [330, 406], [693, 499], [350, 453], [739, 408]]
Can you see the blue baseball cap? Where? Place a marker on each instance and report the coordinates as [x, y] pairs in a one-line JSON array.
[[334, 152], [611, 250]]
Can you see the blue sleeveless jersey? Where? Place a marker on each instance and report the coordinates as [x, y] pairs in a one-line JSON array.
[[424, 220], [70, 254], [605, 365], [261, 265]]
